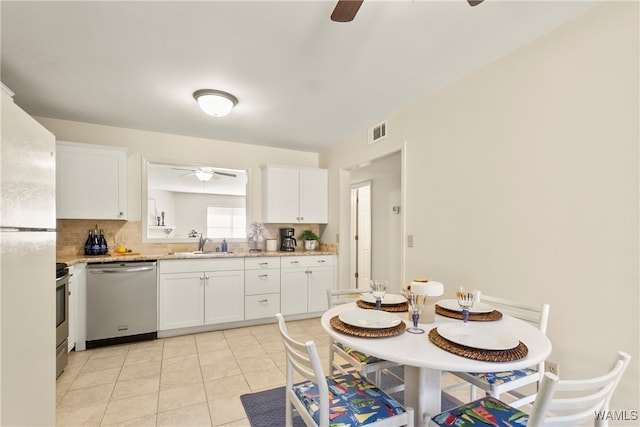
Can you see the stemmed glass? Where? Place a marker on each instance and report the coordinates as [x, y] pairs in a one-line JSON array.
[[416, 304], [465, 301], [378, 288]]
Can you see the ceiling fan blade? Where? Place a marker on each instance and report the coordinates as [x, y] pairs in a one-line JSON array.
[[346, 10], [474, 2], [233, 175]]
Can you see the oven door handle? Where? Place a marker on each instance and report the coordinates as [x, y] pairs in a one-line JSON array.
[[122, 270]]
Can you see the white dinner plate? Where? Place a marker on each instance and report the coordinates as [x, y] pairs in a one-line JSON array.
[[452, 304], [475, 336], [386, 299], [371, 319]]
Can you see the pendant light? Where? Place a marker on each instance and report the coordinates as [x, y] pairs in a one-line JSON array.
[[215, 102]]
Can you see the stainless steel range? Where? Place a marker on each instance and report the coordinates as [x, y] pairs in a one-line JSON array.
[[62, 316]]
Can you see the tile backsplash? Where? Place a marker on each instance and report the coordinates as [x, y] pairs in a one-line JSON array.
[[72, 233]]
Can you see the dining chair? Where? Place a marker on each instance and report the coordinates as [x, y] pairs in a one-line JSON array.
[[355, 360], [513, 383], [342, 400], [565, 403]]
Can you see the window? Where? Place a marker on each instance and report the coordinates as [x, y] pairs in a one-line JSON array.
[[225, 222]]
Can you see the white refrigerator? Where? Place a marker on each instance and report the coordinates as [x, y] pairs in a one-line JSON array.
[[27, 269]]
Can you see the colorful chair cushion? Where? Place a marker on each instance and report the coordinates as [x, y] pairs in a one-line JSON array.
[[483, 412], [360, 357], [353, 401], [504, 377]]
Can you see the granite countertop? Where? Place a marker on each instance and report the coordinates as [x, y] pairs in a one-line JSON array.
[[70, 260]]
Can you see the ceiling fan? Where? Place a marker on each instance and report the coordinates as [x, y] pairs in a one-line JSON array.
[[346, 10], [205, 174]]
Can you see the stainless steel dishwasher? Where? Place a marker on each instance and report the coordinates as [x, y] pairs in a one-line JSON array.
[[121, 302]]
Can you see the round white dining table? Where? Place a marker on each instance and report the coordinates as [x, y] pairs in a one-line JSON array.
[[424, 361]]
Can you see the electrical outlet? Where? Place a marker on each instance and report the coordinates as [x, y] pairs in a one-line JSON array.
[[410, 240], [552, 367]]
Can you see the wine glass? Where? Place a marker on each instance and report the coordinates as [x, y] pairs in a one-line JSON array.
[[465, 301], [416, 304], [378, 288]]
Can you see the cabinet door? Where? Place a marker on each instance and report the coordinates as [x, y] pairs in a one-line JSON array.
[[224, 296], [280, 195], [73, 309], [181, 300], [80, 289], [293, 289], [314, 195], [319, 279], [90, 181]]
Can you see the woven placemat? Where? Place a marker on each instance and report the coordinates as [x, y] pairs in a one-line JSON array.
[[392, 308], [515, 353], [478, 317], [339, 325]]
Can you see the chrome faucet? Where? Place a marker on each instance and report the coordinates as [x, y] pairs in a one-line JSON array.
[[203, 241]]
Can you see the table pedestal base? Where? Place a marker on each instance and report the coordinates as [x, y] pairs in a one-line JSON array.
[[422, 393]]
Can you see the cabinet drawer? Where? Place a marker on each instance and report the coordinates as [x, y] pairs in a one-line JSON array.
[[261, 263], [261, 306], [261, 282], [306, 261], [191, 265]]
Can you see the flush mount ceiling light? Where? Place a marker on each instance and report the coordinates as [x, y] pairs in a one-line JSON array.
[[215, 102]]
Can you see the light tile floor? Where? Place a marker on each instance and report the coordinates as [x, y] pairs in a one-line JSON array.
[[191, 380]]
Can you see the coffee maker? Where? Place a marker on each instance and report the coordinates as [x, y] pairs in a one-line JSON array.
[[287, 241]]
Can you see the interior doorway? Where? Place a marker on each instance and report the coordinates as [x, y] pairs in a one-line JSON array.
[[361, 234], [376, 250]]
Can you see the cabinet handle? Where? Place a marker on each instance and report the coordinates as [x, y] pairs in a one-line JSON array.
[[293, 262], [262, 301], [263, 276], [308, 272], [263, 264], [201, 277], [321, 261]]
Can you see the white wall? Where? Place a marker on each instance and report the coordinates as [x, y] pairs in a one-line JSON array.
[[522, 180], [167, 148]]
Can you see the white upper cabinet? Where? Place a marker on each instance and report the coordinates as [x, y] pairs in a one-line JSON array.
[[295, 195], [91, 181]]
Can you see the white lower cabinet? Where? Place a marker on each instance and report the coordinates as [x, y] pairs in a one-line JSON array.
[[77, 306], [200, 292], [223, 296], [262, 287], [181, 300], [304, 283]]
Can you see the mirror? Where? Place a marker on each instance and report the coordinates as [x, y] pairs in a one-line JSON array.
[[186, 200]]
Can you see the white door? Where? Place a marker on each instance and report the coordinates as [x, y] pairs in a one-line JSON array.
[[361, 226]]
